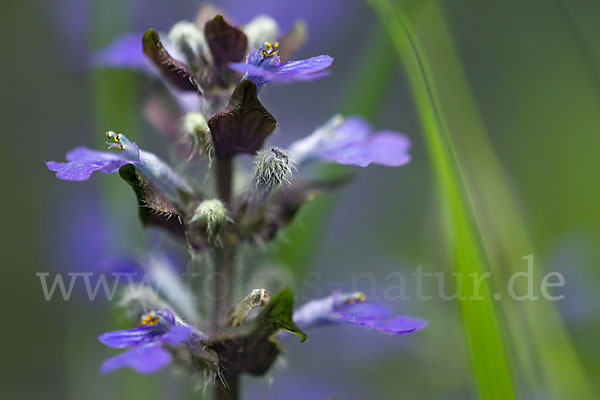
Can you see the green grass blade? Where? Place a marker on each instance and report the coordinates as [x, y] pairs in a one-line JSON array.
[[482, 325]]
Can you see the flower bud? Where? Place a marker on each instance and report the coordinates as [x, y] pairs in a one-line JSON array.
[[261, 29], [212, 216], [138, 299], [255, 299], [273, 168], [195, 127], [189, 40]]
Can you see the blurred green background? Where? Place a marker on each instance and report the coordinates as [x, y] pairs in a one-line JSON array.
[[508, 91]]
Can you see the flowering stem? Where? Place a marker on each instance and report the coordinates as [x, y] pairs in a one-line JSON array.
[[224, 177], [224, 258], [223, 285], [224, 254], [228, 391]]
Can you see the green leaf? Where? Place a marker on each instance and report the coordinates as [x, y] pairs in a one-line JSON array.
[[251, 347], [277, 315]]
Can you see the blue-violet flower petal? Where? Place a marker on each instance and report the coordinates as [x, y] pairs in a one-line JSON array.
[[348, 308], [351, 141], [263, 66]]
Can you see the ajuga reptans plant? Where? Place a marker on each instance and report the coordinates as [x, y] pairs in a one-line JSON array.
[[215, 72]]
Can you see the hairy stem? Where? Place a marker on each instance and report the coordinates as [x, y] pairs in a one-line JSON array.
[[224, 177], [223, 285], [224, 260], [228, 391]]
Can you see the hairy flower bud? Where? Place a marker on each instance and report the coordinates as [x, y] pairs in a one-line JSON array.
[[261, 29], [137, 299], [255, 299], [212, 216], [273, 168], [190, 41], [195, 127]]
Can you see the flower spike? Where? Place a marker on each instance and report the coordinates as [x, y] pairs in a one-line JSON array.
[[213, 72]]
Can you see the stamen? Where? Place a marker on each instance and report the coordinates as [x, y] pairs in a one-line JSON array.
[[117, 138], [355, 298], [150, 319], [269, 49]]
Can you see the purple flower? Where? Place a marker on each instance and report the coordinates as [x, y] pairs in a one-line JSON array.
[[351, 309], [81, 162], [263, 66], [146, 354], [352, 141]]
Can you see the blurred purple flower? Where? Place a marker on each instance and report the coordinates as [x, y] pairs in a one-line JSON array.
[[352, 141], [263, 66], [127, 52], [351, 309], [82, 233], [147, 354], [124, 52]]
